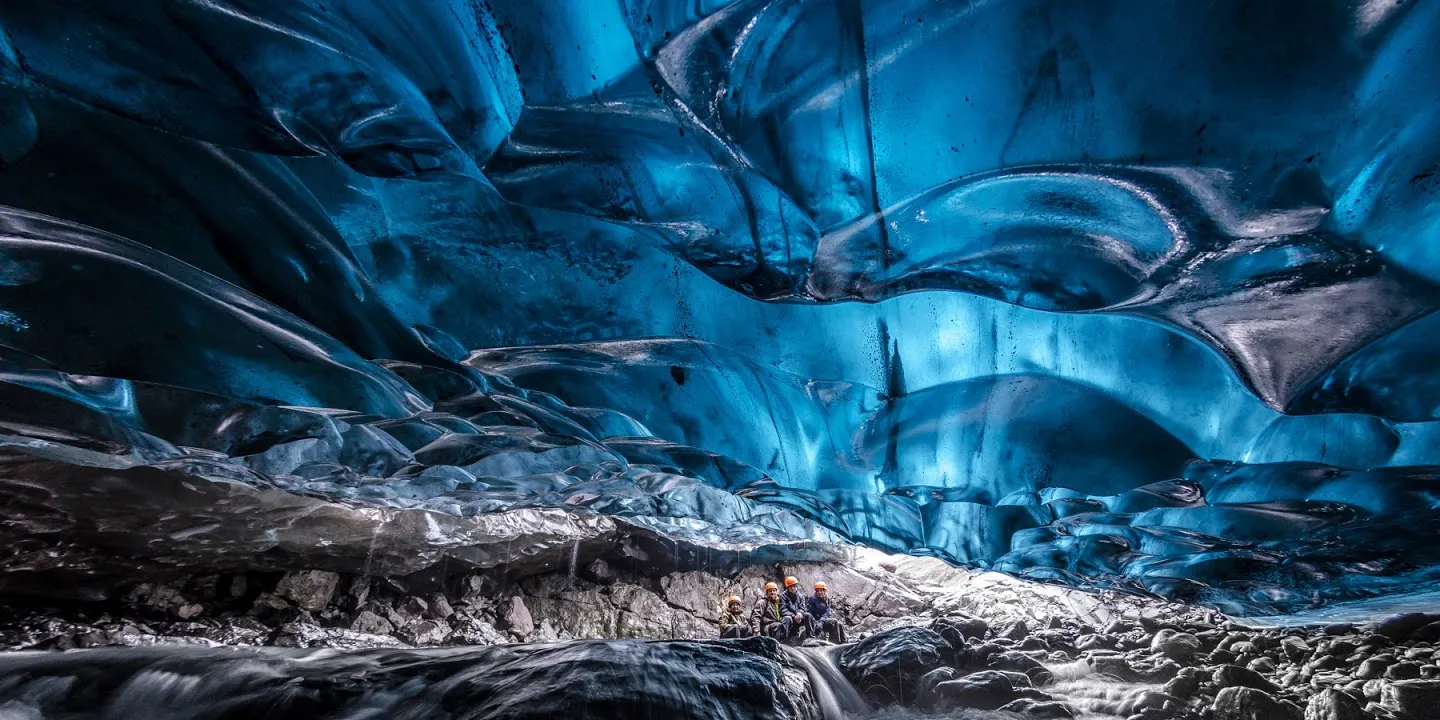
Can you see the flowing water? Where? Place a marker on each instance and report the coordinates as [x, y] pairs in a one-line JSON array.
[[838, 699], [597, 679]]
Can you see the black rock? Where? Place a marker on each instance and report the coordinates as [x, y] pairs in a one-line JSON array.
[[984, 690], [1038, 709], [1235, 676], [1400, 627], [925, 698], [1016, 661], [886, 666], [1243, 703], [1330, 704]]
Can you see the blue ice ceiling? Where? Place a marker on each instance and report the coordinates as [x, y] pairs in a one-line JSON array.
[[1123, 293]]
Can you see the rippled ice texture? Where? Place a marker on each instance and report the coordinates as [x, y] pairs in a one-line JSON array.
[[1117, 293]]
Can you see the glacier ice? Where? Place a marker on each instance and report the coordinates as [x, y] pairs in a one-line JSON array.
[[1122, 294]]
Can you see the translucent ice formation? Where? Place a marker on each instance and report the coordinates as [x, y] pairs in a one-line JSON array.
[[1123, 293]]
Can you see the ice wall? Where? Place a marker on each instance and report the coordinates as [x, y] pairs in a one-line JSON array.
[[1123, 293]]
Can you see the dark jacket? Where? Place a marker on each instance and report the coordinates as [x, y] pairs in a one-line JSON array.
[[728, 618], [818, 609], [766, 611], [792, 603]]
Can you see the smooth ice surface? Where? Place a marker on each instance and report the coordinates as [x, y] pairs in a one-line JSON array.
[[1118, 293]]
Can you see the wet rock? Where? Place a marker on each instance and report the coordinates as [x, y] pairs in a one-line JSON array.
[[1015, 631], [1243, 703], [415, 607], [1403, 671], [1095, 642], [352, 593], [924, 692], [958, 629], [438, 607], [239, 631], [546, 633], [1401, 627], [1015, 661], [1178, 646], [1148, 700], [517, 617], [370, 623], [885, 666], [301, 635], [1295, 649], [1228, 676], [1129, 670], [1029, 708], [1331, 704], [1184, 684], [1375, 667], [163, 599], [1118, 627], [268, 606], [984, 690], [425, 632], [1419, 699], [308, 589], [468, 630]]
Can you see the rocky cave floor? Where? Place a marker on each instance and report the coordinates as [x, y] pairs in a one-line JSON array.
[[926, 639]]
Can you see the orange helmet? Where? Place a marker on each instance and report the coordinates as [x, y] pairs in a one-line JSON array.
[[771, 586], [733, 599], [820, 586], [791, 582]]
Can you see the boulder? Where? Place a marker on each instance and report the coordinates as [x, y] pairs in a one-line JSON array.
[[1417, 699], [886, 666], [164, 600], [1243, 703], [368, 622], [1295, 649], [924, 692], [1330, 704], [1017, 631], [1178, 646], [1042, 709], [426, 632], [1235, 676], [958, 629], [309, 589], [1403, 671], [1400, 627], [1184, 684], [469, 630], [517, 617], [439, 607], [1015, 661], [984, 690]]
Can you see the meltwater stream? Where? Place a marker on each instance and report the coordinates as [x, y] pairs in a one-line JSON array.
[[837, 698], [583, 679]]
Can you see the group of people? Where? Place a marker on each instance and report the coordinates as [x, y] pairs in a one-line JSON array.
[[787, 616]]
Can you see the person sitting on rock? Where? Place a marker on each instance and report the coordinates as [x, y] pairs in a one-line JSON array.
[[792, 606], [767, 618], [824, 623], [732, 623]]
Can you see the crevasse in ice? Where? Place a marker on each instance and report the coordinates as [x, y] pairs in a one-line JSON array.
[[1122, 293]]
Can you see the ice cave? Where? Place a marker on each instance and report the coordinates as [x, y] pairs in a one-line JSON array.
[[465, 349]]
